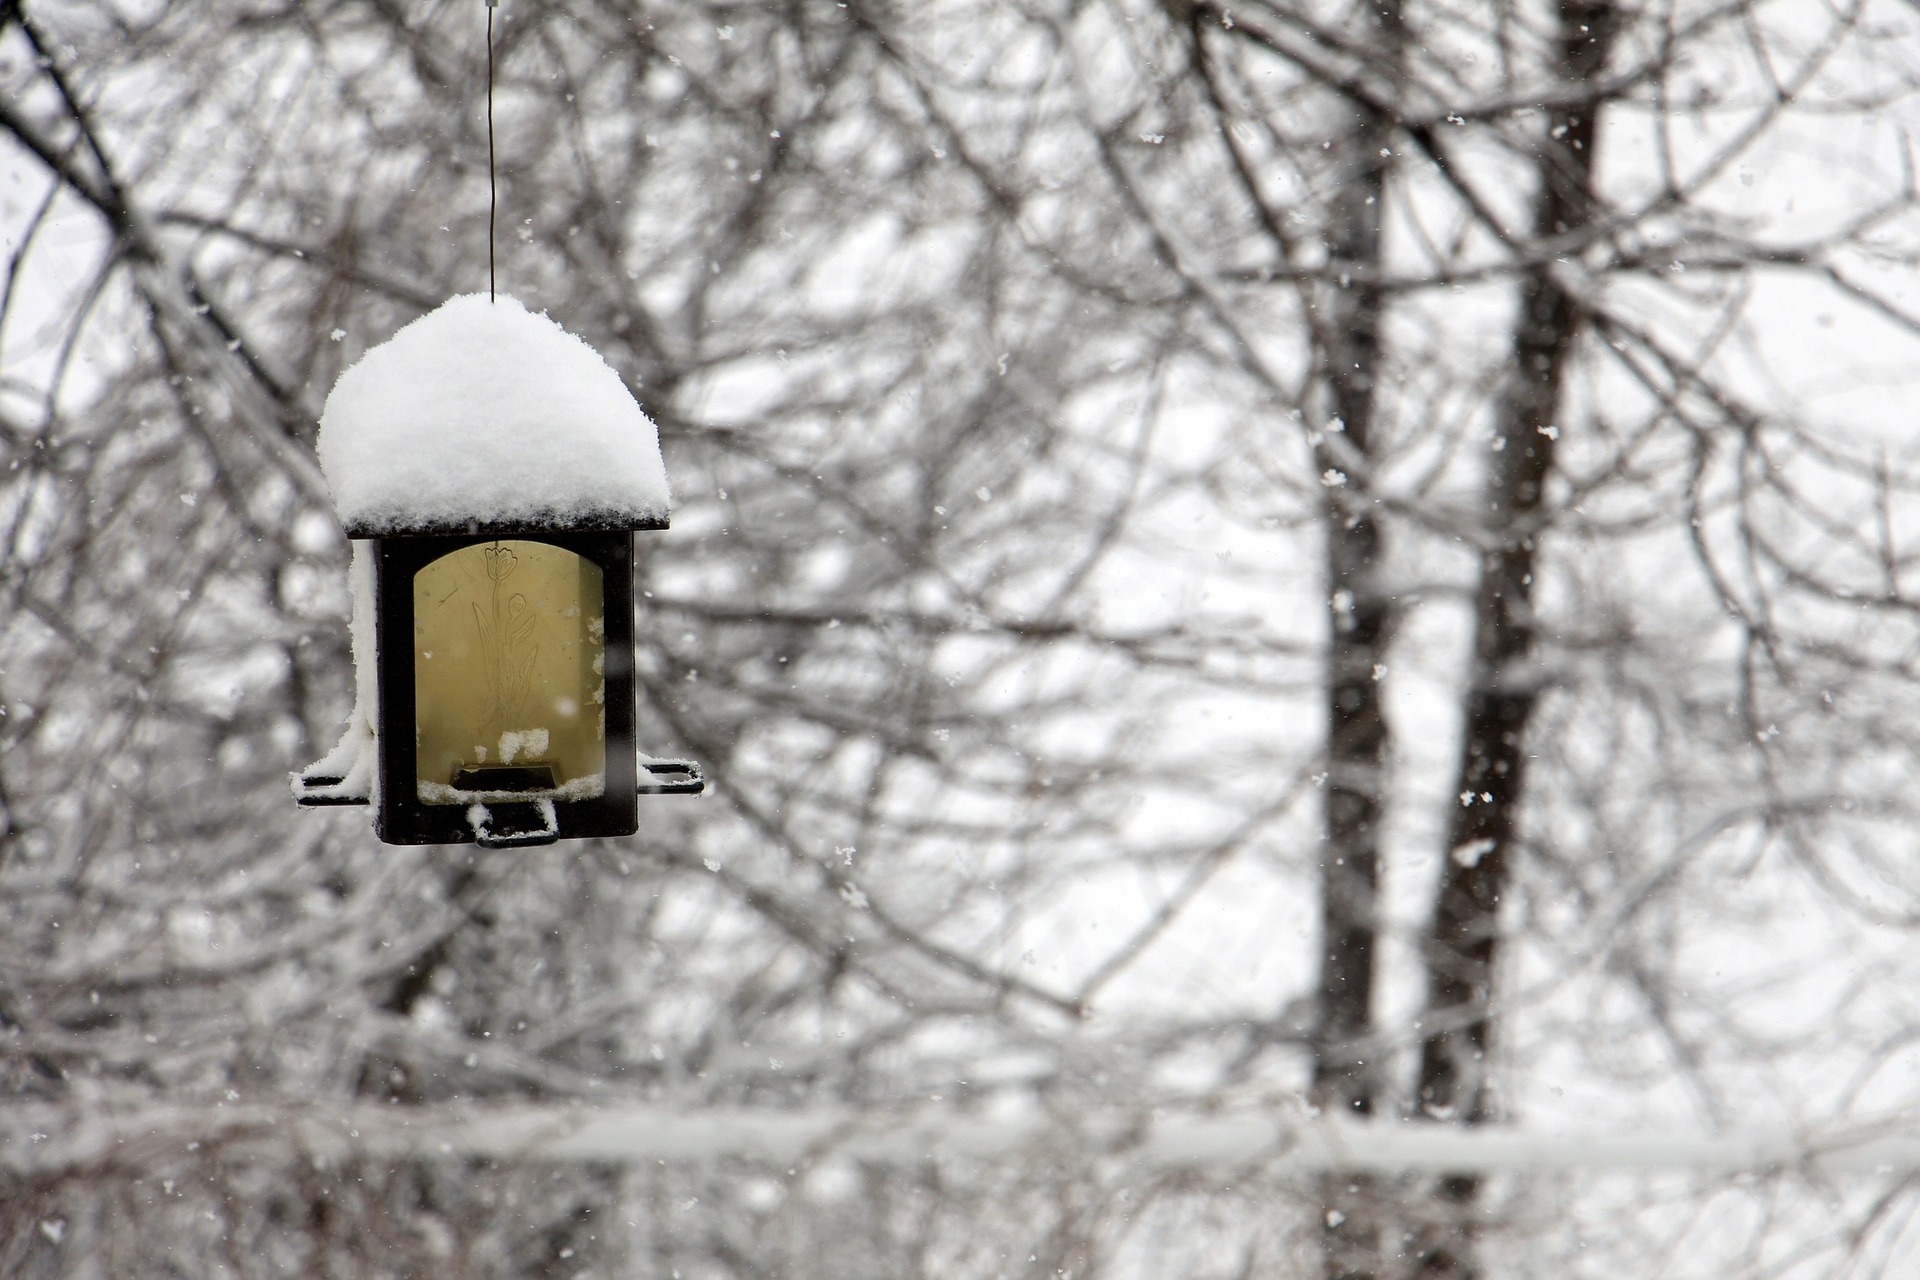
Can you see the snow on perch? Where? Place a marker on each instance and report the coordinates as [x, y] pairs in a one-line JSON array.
[[484, 414]]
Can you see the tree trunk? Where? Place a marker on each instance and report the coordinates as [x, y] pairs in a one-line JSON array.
[[1360, 616], [1463, 944]]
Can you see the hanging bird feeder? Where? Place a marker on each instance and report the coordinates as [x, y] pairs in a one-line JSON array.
[[492, 470]]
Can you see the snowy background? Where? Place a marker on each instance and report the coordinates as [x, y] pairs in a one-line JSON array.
[[1081, 419]]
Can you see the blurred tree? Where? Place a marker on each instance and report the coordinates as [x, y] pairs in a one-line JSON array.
[[1136, 464]]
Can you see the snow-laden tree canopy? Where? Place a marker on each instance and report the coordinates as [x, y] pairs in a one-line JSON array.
[[1235, 558]]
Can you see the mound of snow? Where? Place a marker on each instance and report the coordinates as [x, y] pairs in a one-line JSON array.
[[482, 413]]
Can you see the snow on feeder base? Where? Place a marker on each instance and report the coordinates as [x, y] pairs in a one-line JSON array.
[[492, 470]]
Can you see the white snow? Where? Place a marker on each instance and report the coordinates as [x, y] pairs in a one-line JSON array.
[[482, 412], [589, 786], [353, 758]]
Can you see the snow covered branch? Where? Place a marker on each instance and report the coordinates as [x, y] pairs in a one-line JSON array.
[[49, 1142]]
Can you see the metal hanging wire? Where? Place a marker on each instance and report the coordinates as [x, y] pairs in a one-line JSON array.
[[493, 189]]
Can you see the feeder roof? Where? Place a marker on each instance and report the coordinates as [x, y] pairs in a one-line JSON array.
[[483, 416]]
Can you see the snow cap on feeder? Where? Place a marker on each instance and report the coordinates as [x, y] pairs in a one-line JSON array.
[[492, 469], [482, 415]]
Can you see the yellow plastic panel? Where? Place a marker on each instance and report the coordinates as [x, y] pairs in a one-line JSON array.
[[509, 695]]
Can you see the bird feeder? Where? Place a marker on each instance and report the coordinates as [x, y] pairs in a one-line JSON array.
[[492, 471]]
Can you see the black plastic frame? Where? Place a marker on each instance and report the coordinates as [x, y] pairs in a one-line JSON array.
[[401, 818]]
